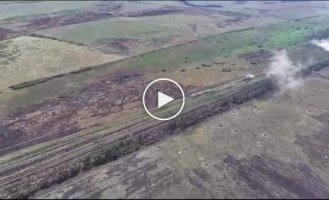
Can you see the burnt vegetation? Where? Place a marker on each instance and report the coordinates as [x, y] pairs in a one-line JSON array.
[[59, 115]]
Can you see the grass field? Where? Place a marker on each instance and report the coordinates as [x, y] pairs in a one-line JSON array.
[[14, 9], [219, 52], [29, 58], [149, 33], [197, 65]]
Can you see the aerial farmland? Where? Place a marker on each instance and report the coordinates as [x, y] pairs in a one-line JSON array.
[[255, 82]]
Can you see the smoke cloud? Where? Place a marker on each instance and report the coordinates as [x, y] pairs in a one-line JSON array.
[[284, 70], [324, 44]]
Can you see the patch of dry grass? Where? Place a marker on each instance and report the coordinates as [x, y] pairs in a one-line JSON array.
[[28, 58]]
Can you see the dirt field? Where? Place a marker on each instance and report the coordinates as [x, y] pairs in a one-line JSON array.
[[270, 148]]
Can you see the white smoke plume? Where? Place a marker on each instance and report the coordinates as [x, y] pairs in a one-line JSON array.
[[283, 70], [324, 44]]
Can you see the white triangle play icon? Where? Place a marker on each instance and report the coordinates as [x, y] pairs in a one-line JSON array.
[[163, 99]]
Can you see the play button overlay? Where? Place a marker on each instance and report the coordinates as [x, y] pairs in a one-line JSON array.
[[163, 99]]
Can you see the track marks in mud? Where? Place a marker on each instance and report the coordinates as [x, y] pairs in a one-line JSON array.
[[269, 177], [316, 146]]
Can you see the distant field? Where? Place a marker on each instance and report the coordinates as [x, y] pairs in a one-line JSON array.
[[137, 35], [28, 58], [251, 47], [209, 61], [286, 10], [130, 28], [16, 9], [204, 63]]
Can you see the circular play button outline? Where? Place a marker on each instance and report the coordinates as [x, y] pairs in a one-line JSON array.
[[180, 88]]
